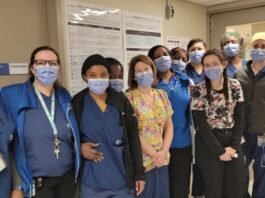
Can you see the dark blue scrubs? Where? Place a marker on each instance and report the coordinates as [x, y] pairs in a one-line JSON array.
[[196, 77], [231, 69], [103, 128], [39, 141]]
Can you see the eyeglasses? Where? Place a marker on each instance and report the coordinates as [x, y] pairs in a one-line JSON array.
[[40, 62]]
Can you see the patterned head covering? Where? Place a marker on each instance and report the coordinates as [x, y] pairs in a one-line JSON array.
[[230, 34]]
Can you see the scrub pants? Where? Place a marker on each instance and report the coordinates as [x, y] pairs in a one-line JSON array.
[[156, 183], [221, 179], [254, 152], [179, 170], [87, 192]]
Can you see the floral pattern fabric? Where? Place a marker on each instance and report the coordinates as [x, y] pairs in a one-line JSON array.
[[219, 113], [151, 120]]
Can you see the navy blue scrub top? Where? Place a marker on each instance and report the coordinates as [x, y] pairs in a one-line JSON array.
[[104, 128], [196, 77], [177, 90], [39, 141], [231, 69]]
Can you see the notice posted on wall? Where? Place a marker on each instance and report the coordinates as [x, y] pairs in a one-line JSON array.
[[91, 29], [177, 41], [13, 68], [140, 33]]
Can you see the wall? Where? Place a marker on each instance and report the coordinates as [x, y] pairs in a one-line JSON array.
[[190, 20], [30, 23], [231, 14], [23, 27], [221, 20]]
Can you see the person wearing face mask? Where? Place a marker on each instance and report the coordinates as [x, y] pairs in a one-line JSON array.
[[179, 59], [194, 69], [218, 112], [196, 48], [252, 79], [113, 164], [176, 83], [46, 141], [231, 44], [153, 111], [116, 74]]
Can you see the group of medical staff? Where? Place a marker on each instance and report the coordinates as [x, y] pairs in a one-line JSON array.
[[193, 110]]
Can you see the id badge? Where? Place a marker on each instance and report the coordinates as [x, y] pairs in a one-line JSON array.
[[2, 163], [33, 188], [261, 140]]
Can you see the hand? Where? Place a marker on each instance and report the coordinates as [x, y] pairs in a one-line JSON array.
[[139, 187], [90, 153], [225, 157], [230, 151], [17, 194], [159, 158]]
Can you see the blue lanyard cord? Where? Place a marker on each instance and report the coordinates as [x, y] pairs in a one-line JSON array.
[[49, 115]]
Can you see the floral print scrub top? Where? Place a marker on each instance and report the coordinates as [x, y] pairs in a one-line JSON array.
[[151, 120]]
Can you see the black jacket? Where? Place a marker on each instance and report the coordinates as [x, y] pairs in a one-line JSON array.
[[254, 98], [132, 147], [206, 134]]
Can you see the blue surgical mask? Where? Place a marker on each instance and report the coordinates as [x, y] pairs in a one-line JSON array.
[[98, 86], [258, 55], [163, 63], [116, 84], [145, 79], [47, 75], [196, 56], [178, 65], [214, 73], [231, 49]]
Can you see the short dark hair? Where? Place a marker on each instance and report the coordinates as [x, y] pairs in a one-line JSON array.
[[151, 52], [32, 59], [195, 40], [177, 51], [113, 61]]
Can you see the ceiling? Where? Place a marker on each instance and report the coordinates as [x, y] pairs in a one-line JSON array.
[[211, 2]]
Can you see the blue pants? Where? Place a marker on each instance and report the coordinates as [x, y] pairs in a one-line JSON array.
[[87, 192], [156, 184], [254, 152]]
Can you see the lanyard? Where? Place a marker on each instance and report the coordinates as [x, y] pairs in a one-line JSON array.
[[49, 115]]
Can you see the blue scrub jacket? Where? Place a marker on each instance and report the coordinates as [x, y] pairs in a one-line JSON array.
[[6, 135], [19, 97]]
